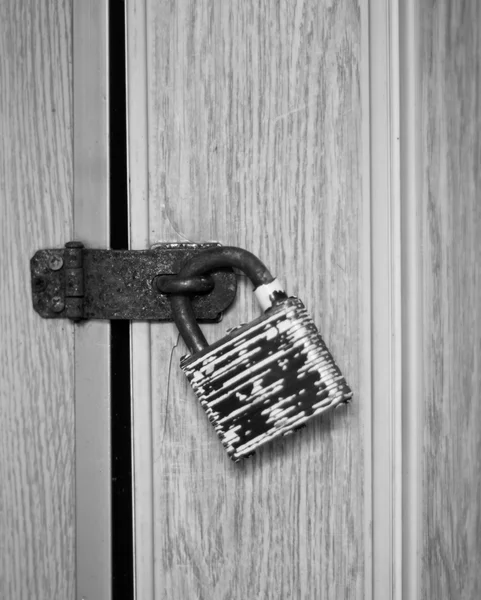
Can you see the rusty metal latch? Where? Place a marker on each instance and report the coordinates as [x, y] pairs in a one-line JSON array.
[[85, 283]]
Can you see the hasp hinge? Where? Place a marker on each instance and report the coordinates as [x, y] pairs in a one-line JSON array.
[[85, 283]]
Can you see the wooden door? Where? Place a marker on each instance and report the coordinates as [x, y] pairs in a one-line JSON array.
[[339, 142], [316, 135], [37, 478], [246, 127]]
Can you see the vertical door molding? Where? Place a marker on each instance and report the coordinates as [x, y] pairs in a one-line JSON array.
[[142, 445], [396, 300], [386, 433], [92, 339], [411, 297]]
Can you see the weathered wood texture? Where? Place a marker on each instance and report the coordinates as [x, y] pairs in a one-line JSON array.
[[37, 548], [255, 140], [451, 112]]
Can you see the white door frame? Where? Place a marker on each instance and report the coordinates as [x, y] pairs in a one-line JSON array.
[[138, 63], [383, 450], [396, 301], [411, 295], [395, 423], [92, 338]]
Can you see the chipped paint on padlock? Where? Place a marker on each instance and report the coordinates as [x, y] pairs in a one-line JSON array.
[[267, 378]]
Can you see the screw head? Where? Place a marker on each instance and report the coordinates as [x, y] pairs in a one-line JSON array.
[[57, 304], [74, 245], [55, 262]]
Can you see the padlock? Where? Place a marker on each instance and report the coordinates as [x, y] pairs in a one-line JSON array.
[[264, 379]]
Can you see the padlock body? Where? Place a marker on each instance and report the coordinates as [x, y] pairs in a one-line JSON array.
[[266, 379]]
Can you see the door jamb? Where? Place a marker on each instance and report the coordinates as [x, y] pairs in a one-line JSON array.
[[137, 62], [412, 295], [92, 339], [394, 427]]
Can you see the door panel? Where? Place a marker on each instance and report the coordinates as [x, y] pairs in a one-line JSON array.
[[37, 485], [254, 139]]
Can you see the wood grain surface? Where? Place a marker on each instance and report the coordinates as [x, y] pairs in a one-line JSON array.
[[254, 126], [37, 546], [451, 112]]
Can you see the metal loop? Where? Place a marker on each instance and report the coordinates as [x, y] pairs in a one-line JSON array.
[[173, 284], [202, 262]]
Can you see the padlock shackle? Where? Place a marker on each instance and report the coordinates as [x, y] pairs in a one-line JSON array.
[[202, 262]]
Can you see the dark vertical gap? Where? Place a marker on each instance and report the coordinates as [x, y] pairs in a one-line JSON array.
[[122, 518]]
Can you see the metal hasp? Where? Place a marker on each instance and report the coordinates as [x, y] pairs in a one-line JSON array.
[[85, 283]]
